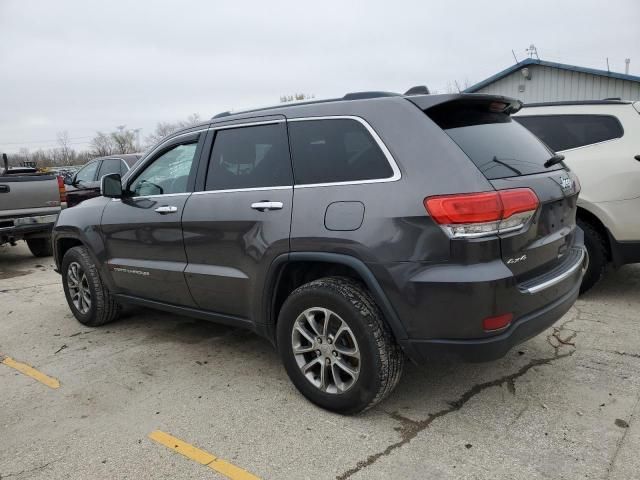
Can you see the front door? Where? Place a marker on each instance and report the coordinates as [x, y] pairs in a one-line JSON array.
[[142, 231], [241, 219]]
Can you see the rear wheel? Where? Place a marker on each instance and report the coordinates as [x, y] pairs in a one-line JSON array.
[[336, 347], [597, 249], [40, 247], [88, 298]]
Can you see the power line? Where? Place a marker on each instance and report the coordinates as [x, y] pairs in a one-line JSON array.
[[44, 141]]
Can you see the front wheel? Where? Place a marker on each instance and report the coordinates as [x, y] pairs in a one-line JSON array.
[[336, 347], [89, 299]]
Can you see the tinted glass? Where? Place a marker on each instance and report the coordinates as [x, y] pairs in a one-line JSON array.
[[110, 166], [87, 173], [340, 150], [498, 146], [249, 157], [169, 173], [562, 132]]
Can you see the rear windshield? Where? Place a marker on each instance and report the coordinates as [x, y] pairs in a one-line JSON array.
[[499, 146]]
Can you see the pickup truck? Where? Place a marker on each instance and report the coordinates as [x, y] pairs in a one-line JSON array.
[[29, 206]]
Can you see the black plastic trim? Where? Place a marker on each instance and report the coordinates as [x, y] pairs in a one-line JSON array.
[[492, 348], [369, 279], [224, 319], [623, 253]]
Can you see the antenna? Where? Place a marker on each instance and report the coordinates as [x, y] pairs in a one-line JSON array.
[[608, 71], [532, 50], [514, 56], [627, 61]]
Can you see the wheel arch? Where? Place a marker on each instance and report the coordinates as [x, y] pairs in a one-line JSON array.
[[288, 271], [589, 217]]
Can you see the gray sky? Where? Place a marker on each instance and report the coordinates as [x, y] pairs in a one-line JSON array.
[[83, 66]]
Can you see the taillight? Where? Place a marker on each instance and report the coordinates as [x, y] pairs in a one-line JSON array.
[[485, 213], [62, 191]]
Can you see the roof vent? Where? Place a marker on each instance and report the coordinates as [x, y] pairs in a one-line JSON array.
[[418, 90]]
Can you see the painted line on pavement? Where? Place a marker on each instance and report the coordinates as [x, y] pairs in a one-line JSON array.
[[31, 372], [204, 458]]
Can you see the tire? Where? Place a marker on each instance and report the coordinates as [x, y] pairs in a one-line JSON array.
[[40, 247], [345, 302], [598, 255], [80, 276]]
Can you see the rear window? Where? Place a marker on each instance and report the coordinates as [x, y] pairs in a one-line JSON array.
[[335, 150], [497, 145], [562, 132]]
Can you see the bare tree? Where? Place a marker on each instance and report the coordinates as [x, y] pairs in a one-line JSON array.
[[124, 140], [296, 97], [66, 152], [102, 145], [165, 128]]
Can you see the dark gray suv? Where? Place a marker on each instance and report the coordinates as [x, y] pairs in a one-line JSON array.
[[351, 233]]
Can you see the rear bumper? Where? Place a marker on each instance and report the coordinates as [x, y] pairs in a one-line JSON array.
[[492, 348], [442, 307], [18, 228]]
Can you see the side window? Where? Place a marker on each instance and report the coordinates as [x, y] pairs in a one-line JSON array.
[[562, 132], [249, 157], [87, 173], [169, 173], [111, 165], [339, 150]]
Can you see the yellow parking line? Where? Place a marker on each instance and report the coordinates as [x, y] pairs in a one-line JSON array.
[[204, 458], [31, 372]]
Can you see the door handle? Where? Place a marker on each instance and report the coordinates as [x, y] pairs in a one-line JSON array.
[[5, 189], [167, 209], [262, 206]]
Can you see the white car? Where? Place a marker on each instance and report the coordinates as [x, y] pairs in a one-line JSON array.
[[600, 141]]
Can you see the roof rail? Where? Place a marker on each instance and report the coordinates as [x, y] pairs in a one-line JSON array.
[[419, 90]]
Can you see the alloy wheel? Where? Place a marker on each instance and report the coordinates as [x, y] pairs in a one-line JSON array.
[[79, 287], [326, 350]]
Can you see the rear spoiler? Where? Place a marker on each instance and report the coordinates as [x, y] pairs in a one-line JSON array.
[[425, 102]]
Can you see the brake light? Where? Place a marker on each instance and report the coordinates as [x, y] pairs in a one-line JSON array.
[[62, 191], [484, 213]]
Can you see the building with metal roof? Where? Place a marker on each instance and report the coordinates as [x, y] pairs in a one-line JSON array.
[[533, 81]]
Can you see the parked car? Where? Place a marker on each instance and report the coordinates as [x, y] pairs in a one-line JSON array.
[[600, 141], [350, 233], [85, 183], [29, 205]]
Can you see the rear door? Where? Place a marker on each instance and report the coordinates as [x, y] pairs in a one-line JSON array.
[[142, 231], [240, 219], [510, 156]]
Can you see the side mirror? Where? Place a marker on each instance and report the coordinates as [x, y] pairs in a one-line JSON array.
[[68, 180], [111, 186]]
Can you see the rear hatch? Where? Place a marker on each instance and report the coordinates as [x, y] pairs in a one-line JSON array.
[[511, 157]]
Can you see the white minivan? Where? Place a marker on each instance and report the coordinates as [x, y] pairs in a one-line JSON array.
[[600, 140]]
